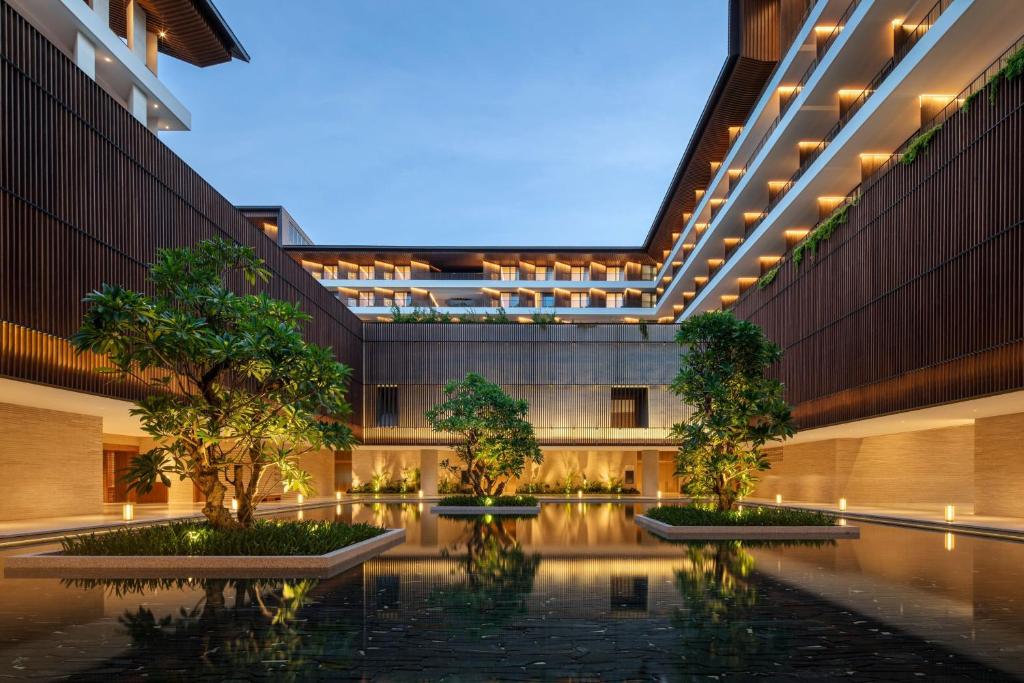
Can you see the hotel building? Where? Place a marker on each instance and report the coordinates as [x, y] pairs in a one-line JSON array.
[[852, 186]]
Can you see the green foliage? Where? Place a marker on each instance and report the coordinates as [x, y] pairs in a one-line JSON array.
[[919, 144], [705, 515], [236, 394], [571, 484], [968, 101], [736, 409], [644, 332], [381, 482], [769, 277], [488, 501], [544, 319], [419, 315], [494, 440], [448, 485], [1012, 69], [263, 537], [499, 317], [822, 232]]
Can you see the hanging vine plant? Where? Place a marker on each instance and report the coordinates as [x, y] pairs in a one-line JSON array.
[[821, 233], [1012, 70], [770, 276], [919, 144]]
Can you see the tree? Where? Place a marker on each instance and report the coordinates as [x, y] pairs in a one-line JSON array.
[[234, 394], [736, 408], [495, 438]]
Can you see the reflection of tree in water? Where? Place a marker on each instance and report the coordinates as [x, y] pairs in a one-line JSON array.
[[498, 575], [717, 622], [257, 631]]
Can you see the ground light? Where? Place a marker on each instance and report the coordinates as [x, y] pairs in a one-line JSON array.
[[659, 494], [128, 512], [842, 505], [778, 499], [337, 495], [950, 513], [234, 505], [421, 493], [301, 499]]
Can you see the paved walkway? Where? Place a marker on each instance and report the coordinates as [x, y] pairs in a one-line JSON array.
[[925, 518]]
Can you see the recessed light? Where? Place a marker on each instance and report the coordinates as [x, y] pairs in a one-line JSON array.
[[107, 59]]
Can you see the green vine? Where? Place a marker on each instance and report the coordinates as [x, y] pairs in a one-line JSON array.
[[644, 332], [544, 319], [769, 277], [821, 233], [1012, 70], [919, 144], [968, 101]]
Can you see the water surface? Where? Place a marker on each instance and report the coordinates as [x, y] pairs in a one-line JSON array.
[[580, 593]]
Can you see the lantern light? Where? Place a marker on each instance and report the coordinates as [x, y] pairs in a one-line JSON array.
[[128, 512], [950, 513], [842, 505]]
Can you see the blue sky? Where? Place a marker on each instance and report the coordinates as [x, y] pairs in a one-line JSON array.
[[443, 122]]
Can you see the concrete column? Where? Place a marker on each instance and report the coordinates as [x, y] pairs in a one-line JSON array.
[[85, 55], [428, 472], [138, 104], [136, 29], [152, 48], [649, 473], [102, 8]]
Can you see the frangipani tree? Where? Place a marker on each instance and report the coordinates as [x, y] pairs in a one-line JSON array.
[[495, 440], [736, 408], [235, 394]]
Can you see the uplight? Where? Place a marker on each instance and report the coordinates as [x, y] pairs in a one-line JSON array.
[[778, 499], [842, 505], [659, 493], [128, 512], [421, 493], [579, 494], [234, 505], [337, 495], [301, 499], [950, 513]]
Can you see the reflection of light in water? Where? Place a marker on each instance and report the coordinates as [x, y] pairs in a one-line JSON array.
[[337, 509], [300, 514], [950, 542]]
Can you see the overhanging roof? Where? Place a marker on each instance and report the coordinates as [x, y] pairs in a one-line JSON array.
[[194, 31]]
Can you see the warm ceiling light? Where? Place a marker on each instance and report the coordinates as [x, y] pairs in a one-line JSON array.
[[729, 298], [731, 241], [808, 144], [107, 59], [715, 262], [163, 34], [769, 260], [716, 202], [745, 281], [700, 279]]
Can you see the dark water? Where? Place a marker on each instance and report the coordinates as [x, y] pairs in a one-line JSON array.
[[578, 594]]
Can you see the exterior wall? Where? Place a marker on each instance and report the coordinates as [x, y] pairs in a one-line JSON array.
[[368, 462], [88, 196], [913, 469], [912, 302], [999, 465], [564, 371], [52, 463]]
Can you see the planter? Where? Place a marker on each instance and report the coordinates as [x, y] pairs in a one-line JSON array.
[[58, 565], [733, 533], [478, 510]]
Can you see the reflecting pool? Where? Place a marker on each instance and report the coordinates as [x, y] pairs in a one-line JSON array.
[[580, 593]]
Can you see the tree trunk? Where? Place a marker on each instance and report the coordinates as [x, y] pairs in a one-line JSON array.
[[726, 495], [213, 489]]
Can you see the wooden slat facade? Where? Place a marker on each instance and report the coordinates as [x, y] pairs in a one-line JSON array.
[[565, 372], [88, 196], [919, 298]]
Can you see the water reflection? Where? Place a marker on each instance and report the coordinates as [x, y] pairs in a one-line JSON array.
[[580, 593]]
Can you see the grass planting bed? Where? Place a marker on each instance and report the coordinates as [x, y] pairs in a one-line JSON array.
[[267, 549], [679, 522], [487, 505]]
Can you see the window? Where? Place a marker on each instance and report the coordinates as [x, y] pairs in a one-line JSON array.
[[629, 407], [403, 298], [403, 272], [578, 274], [507, 300], [387, 406], [647, 299], [509, 273], [647, 272], [389, 274], [541, 273], [365, 272], [366, 298], [330, 272], [547, 300], [614, 300], [579, 300], [614, 274]]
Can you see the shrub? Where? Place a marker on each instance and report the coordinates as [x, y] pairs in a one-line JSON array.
[[919, 144], [264, 537], [706, 515], [489, 501]]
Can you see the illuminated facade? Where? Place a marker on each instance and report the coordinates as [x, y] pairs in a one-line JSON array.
[[817, 197]]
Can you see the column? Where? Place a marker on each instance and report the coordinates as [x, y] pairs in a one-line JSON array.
[[428, 472], [649, 473], [999, 465], [136, 29], [152, 48], [138, 104], [85, 55]]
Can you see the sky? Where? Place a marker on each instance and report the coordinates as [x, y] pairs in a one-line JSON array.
[[416, 122]]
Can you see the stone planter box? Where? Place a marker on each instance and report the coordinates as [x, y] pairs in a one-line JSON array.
[[748, 533], [60, 566], [478, 510]]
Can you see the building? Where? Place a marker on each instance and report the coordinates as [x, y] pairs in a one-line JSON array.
[[818, 197]]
